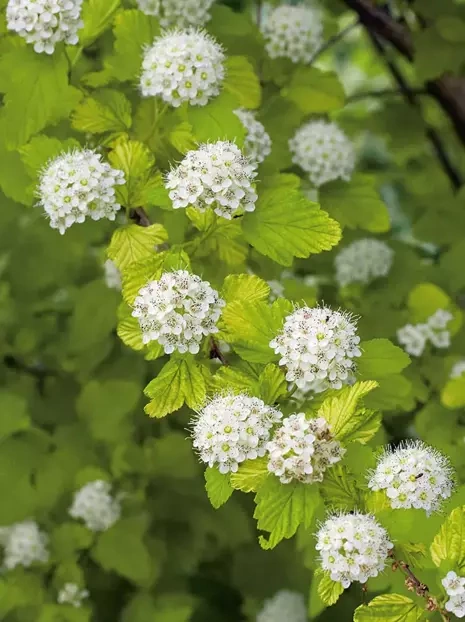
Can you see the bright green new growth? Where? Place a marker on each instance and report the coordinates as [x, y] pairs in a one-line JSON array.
[[193, 401]]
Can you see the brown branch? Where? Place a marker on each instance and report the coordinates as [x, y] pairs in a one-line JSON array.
[[139, 216], [447, 90], [215, 353]]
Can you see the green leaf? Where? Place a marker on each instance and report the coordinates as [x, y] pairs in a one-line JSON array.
[[67, 538], [344, 417], [355, 204], [329, 590], [238, 378], [180, 381], [244, 287], [250, 326], [314, 91], [218, 487], [106, 111], [282, 508], [449, 544], [381, 358], [133, 30], [40, 149], [453, 394], [216, 120], [272, 383], [425, 299], [285, 225], [339, 489], [250, 475], [97, 16], [389, 608], [242, 82], [14, 415], [182, 138], [37, 93], [133, 243]]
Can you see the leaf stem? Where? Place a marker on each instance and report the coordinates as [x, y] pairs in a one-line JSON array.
[[334, 39]]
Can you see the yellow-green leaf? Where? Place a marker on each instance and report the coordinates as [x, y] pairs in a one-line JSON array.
[[389, 608], [133, 243], [242, 81]]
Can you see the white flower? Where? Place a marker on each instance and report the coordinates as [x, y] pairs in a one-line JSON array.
[[23, 544], [180, 13], [353, 547], [285, 606], [318, 345], [112, 275], [216, 176], [453, 584], [71, 594], [414, 337], [257, 144], [323, 151], [363, 261], [77, 185], [458, 369], [95, 505], [45, 22], [414, 476], [178, 310], [183, 66], [456, 605], [302, 449], [231, 429], [294, 32]]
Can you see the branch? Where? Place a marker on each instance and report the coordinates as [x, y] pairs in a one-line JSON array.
[[139, 216], [411, 98], [215, 352], [334, 39], [382, 93]]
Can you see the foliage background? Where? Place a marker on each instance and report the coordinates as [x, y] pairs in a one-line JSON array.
[[71, 398]]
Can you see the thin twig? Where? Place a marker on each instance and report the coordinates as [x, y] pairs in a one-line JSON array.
[[411, 98], [259, 12], [215, 353], [139, 216], [334, 39], [382, 93]]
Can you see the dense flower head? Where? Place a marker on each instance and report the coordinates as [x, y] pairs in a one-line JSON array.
[[415, 337], [233, 428], [45, 22], [216, 176], [77, 185], [257, 143], [178, 310], [302, 449], [72, 594], [318, 346], [284, 606], [294, 32], [363, 261], [322, 150], [183, 66], [180, 13], [414, 476], [353, 547], [458, 369], [455, 589], [23, 545], [94, 504]]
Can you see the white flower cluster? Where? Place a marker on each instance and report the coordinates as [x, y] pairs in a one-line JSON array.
[[77, 185], [178, 310], [455, 588], [71, 594], [112, 275], [414, 337], [180, 13], [414, 476], [353, 547], [284, 606], [183, 66], [302, 449], [233, 428], [323, 151], [363, 261], [294, 32], [45, 22], [215, 176], [458, 369], [95, 505], [257, 143], [23, 544], [318, 344]]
